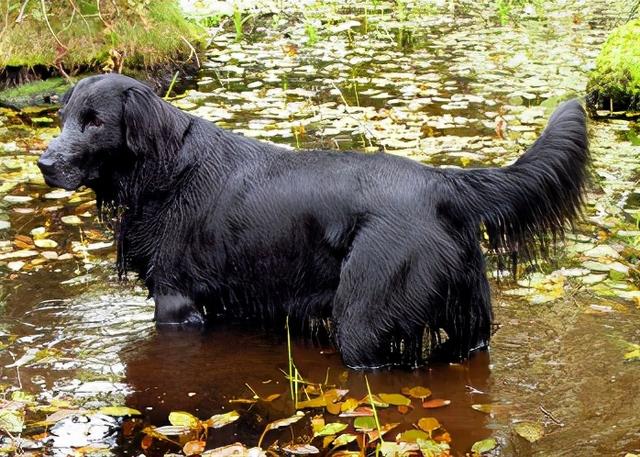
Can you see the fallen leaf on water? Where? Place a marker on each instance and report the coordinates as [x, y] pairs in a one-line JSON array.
[[417, 392], [317, 423], [334, 408], [331, 429], [429, 424], [375, 434], [395, 399], [167, 430], [285, 422], [364, 424], [183, 419], [119, 411], [71, 220], [430, 448], [412, 436], [220, 420], [301, 449], [349, 405], [361, 411], [486, 445], [436, 403], [530, 431], [11, 421], [343, 440], [193, 447], [391, 449]]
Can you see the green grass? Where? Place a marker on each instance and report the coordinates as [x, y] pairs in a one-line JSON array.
[[140, 33]]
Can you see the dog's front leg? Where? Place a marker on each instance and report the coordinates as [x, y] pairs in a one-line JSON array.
[[176, 309]]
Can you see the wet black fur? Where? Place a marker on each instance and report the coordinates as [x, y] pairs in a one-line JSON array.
[[381, 250]]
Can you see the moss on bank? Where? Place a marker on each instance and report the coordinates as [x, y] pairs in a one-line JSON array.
[[34, 93], [615, 83], [45, 38]]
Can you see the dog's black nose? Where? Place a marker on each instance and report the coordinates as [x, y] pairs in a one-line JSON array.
[[45, 164]]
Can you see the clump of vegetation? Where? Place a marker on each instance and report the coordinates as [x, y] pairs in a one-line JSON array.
[[615, 83], [41, 38]]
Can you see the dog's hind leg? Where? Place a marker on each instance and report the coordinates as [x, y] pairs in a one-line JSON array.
[[176, 309], [370, 307]]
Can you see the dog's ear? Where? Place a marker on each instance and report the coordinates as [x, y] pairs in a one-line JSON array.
[[152, 127]]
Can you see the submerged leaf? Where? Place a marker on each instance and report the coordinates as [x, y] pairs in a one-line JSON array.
[[530, 431]]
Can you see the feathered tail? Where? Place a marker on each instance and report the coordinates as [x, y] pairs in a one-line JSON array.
[[538, 195]]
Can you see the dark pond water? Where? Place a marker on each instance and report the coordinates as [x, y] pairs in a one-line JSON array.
[[442, 87]]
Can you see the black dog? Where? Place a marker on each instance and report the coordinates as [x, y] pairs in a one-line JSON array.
[[382, 251]]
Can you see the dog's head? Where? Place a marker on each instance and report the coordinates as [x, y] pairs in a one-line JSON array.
[[108, 123]]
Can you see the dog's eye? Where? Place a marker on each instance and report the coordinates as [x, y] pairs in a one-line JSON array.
[[95, 122], [92, 121]]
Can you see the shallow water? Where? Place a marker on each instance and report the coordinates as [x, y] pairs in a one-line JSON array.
[[460, 91]]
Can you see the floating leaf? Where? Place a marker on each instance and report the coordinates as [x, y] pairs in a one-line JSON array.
[[331, 429], [395, 399], [412, 436], [480, 447], [167, 430], [271, 397], [429, 424], [285, 422], [301, 449], [317, 423], [349, 405], [436, 403], [318, 402], [194, 447], [430, 448], [417, 392], [334, 408], [11, 421], [183, 419], [377, 401], [361, 411], [119, 411], [220, 420], [530, 431], [71, 220], [391, 449], [375, 434], [364, 424], [344, 439], [46, 244]]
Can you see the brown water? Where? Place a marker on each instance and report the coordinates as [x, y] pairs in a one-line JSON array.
[[557, 358]]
